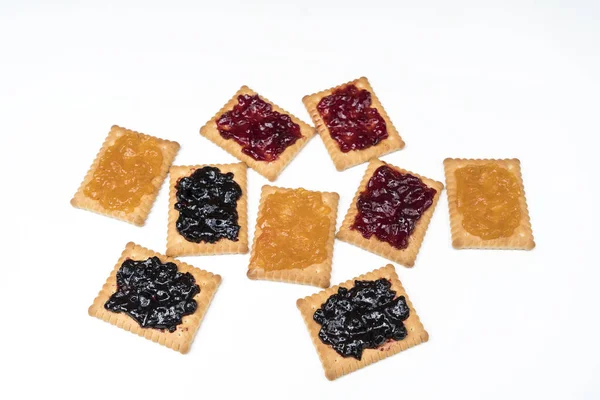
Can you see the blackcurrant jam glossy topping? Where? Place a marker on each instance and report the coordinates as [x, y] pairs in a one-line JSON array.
[[207, 205], [351, 120], [391, 205], [363, 317], [262, 132], [153, 293]]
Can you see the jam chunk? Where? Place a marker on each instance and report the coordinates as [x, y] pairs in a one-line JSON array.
[[295, 228], [351, 120], [364, 317], [262, 132], [391, 205], [153, 293], [125, 172], [207, 205], [489, 200]]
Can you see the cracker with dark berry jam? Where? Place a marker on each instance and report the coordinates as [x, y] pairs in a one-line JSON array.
[[157, 297], [258, 132], [390, 212], [361, 321], [208, 210], [352, 123]]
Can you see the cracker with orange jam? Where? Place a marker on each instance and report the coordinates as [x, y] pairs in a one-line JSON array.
[[177, 245], [294, 235], [122, 183], [270, 169], [181, 339], [344, 160], [336, 365], [493, 197], [405, 256]]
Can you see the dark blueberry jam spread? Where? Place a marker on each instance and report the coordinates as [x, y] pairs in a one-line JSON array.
[[364, 317], [207, 205], [351, 120], [156, 295], [263, 133], [391, 205]]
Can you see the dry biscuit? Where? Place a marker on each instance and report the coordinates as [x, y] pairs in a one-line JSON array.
[[316, 274], [140, 213], [522, 237], [405, 256], [182, 338], [269, 170], [177, 245], [343, 160], [333, 363]]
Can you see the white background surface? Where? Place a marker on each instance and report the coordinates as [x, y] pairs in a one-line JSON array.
[[460, 80]]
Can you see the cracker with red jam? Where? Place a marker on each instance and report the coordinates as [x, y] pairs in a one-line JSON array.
[[488, 208], [352, 123], [294, 235], [208, 210], [126, 175], [177, 297], [258, 132], [390, 212], [388, 322]]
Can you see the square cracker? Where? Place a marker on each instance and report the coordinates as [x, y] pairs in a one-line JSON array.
[[343, 160], [182, 338], [521, 239], [177, 245], [269, 170], [316, 274], [333, 363], [140, 213], [405, 256]]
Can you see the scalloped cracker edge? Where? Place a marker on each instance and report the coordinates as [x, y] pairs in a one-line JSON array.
[[182, 338], [334, 364], [343, 160], [522, 237], [177, 245], [405, 256], [316, 274], [269, 170], [139, 215]]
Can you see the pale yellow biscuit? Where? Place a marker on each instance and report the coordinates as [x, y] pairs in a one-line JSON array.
[[522, 237], [343, 160], [334, 364], [269, 170], [177, 245], [182, 338], [140, 213], [316, 274], [405, 256]]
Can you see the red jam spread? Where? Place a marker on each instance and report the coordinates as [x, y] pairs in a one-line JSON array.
[[263, 133], [351, 120], [391, 205]]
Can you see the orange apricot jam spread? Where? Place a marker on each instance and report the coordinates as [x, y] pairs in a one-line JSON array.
[[488, 199], [295, 228], [125, 172]]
